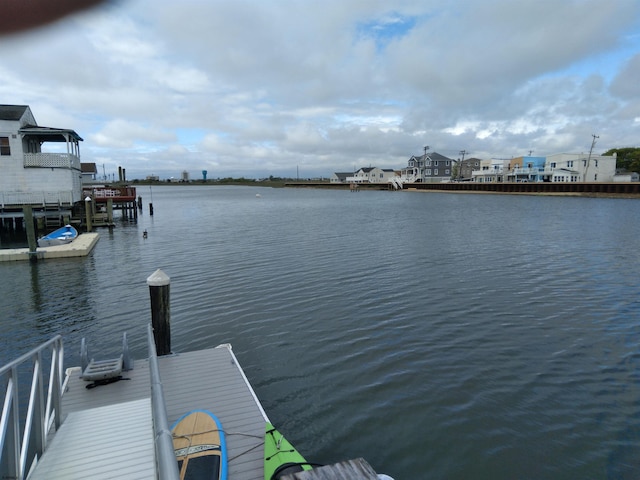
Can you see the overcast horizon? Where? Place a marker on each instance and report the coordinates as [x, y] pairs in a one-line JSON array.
[[304, 89]]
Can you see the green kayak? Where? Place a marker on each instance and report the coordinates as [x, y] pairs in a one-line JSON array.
[[280, 457]]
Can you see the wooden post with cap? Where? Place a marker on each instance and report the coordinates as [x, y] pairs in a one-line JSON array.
[[159, 284]]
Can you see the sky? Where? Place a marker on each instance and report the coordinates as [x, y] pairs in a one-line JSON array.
[[305, 88]]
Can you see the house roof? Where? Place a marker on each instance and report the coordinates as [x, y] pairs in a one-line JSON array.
[[12, 112], [432, 156], [48, 134], [89, 167]]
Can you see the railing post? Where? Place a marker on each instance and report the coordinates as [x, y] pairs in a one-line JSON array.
[[159, 284]]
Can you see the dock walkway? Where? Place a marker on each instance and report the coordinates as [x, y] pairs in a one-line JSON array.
[[207, 379], [80, 247]]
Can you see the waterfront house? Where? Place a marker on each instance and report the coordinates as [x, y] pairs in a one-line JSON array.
[[372, 175], [30, 174], [89, 172], [340, 177], [428, 168], [492, 170], [624, 176], [527, 169], [466, 168], [580, 167], [557, 168]]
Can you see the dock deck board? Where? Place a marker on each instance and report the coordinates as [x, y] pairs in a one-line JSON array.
[[207, 379], [114, 441]]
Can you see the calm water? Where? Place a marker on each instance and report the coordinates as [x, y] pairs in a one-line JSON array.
[[440, 336]]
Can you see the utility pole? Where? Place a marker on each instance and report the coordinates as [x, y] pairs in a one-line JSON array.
[[462, 153], [423, 170], [593, 143]]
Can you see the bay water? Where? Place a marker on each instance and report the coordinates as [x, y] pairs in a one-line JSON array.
[[437, 335]]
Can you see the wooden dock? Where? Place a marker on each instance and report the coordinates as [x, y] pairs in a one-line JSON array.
[[111, 427]]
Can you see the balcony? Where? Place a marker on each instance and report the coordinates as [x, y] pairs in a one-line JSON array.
[[51, 160]]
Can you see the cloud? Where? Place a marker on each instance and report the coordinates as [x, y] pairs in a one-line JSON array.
[[257, 88]]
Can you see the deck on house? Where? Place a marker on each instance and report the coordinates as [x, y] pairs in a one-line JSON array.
[[108, 426]]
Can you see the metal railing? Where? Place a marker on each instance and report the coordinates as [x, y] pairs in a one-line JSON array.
[[23, 438], [166, 464]]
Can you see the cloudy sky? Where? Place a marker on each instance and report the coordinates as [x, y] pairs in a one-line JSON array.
[[301, 87]]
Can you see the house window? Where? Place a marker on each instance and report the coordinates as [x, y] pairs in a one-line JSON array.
[[380, 175], [446, 172], [5, 149], [570, 163], [596, 163], [435, 171], [553, 164], [427, 171], [435, 163]]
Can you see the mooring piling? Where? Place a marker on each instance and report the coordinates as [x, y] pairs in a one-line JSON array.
[[159, 284]]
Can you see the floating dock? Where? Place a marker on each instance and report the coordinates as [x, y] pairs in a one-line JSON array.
[[117, 425], [107, 432], [80, 247]]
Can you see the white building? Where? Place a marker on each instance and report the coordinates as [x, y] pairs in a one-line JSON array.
[[579, 167], [491, 171], [558, 168], [372, 175], [340, 177], [31, 176]]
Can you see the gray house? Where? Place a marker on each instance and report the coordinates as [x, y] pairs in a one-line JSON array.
[[428, 168]]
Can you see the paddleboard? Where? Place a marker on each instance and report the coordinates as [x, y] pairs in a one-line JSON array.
[[280, 457], [200, 447]]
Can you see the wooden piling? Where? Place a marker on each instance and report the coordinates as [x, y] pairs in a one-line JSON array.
[[31, 232], [110, 213], [159, 284], [87, 211]]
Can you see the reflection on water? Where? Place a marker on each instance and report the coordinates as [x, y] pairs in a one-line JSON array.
[[487, 336]]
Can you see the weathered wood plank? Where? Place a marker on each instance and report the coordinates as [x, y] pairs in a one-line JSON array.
[[357, 469]]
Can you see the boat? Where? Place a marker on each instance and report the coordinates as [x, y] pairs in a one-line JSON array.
[[200, 447], [280, 457], [61, 236]]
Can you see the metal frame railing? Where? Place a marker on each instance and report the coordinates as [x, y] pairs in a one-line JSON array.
[[24, 439], [166, 464]]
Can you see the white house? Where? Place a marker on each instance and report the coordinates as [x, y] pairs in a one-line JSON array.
[[29, 174], [372, 175], [580, 167], [558, 168], [340, 177], [491, 171]]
